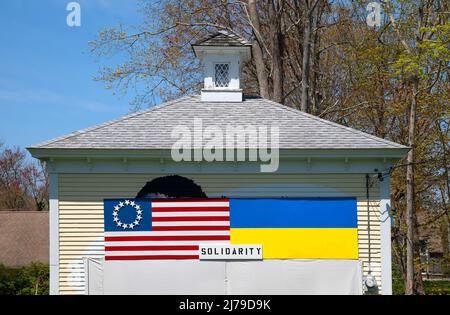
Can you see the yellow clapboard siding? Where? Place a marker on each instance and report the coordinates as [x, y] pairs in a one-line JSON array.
[[70, 292], [81, 225], [75, 228], [81, 208], [81, 252], [77, 216], [92, 212], [374, 229], [81, 238], [79, 269], [260, 188], [83, 234], [73, 276], [81, 244], [131, 178], [72, 280]]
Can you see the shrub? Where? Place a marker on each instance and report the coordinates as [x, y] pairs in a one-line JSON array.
[[398, 284], [28, 280], [431, 287], [437, 287]]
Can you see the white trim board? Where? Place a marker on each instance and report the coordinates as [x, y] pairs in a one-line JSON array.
[[288, 166], [54, 233], [385, 222]]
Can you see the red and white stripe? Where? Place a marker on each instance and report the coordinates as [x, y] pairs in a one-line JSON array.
[[178, 227]]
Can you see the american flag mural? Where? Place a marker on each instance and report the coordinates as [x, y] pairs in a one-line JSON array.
[[164, 228]]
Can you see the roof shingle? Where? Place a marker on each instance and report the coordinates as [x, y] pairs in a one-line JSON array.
[[223, 38], [152, 128]]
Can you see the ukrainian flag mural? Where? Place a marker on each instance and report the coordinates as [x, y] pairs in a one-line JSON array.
[[322, 228]]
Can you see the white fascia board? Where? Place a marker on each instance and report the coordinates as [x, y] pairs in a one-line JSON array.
[[43, 153], [163, 166], [245, 51]]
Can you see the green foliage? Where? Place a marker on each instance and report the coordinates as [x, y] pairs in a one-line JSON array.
[[432, 287], [437, 287], [432, 49], [29, 280], [398, 282]]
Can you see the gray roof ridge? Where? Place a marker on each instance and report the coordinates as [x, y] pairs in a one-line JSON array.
[[111, 122], [233, 36], [356, 131]]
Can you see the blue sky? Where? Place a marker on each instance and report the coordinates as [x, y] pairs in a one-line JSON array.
[[46, 70]]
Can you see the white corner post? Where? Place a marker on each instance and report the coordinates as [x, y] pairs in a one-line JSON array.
[[386, 253], [54, 233]]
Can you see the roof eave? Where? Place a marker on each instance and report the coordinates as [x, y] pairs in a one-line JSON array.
[[53, 153], [244, 49]]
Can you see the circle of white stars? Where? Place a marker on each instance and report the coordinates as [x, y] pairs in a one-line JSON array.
[[137, 220]]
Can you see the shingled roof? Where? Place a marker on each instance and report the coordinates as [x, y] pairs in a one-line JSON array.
[[223, 38], [152, 128]]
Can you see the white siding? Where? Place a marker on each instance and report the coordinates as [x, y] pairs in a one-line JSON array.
[[81, 208]]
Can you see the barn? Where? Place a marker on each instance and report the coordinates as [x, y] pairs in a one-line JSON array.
[[316, 199]]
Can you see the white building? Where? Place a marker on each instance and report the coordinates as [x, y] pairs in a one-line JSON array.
[[317, 159]]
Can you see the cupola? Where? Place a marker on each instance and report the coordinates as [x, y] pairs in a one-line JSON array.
[[222, 56]]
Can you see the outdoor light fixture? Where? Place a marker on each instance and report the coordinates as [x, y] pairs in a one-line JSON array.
[[369, 281]]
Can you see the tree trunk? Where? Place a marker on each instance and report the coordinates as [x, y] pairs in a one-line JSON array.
[[305, 99], [410, 222], [445, 232], [445, 191], [257, 50], [277, 53], [315, 62]]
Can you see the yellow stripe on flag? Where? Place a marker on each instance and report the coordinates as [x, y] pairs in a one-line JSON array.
[[301, 243]]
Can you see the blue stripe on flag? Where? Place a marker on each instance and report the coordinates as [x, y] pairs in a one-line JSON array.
[[294, 213]]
